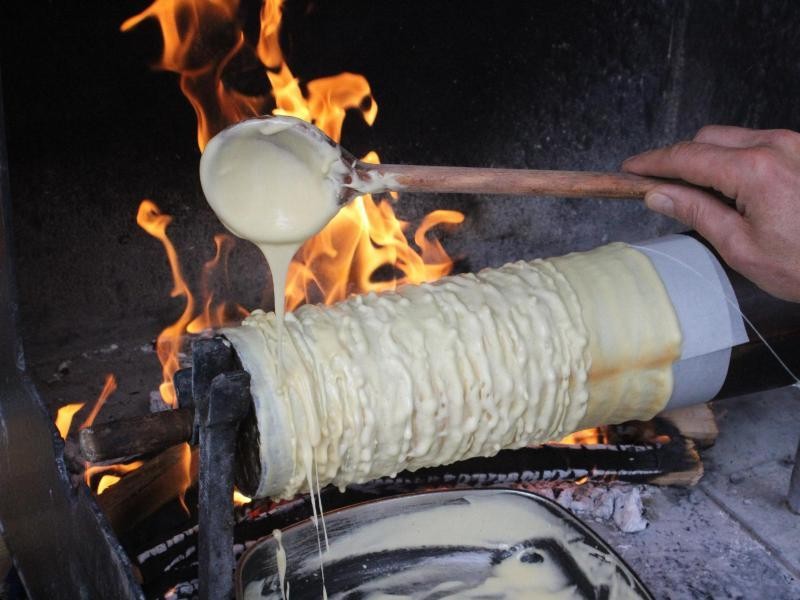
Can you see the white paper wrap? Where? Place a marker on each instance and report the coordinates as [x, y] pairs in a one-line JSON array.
[[707, 311]]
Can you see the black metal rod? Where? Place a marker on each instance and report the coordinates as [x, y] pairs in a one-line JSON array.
[[222, 398], [793, 499], [226, 404]]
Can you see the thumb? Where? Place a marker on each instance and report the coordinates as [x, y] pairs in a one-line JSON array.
[[699, 210]]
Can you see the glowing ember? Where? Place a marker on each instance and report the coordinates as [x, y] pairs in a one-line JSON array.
[[597, 435], [239, 499], [200, 38], [64, 417], [109, 388]]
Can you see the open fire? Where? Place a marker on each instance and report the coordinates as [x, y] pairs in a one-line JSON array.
[[364, 249], [364, 242], [487, 86]]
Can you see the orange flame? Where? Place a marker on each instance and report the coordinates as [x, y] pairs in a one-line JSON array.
[[64, 417], [365, 236], [186, 473], [362, 239], [213, 316], [170, 340], [168, 344], [109, 387], [116, 473], [365, 239], [200, 38]]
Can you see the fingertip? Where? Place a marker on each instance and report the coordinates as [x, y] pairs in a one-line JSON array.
[[706, 133], [697, 209], [639, 164], [629, 164], [660, 202]]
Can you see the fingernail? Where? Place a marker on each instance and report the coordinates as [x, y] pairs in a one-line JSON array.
[[660, 203]]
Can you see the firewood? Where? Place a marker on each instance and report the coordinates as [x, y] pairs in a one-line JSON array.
[[688, 476], [695, 422], [132, 437], [143, 491]]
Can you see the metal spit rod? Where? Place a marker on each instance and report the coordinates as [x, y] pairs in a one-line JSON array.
[[793, 499]]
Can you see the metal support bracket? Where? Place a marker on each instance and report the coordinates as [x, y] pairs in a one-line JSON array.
[[222, 399], [794, 485], [62, 545]]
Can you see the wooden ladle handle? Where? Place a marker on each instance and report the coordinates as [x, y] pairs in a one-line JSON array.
[[470, 180]]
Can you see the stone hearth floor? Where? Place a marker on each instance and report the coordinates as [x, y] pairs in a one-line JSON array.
[[732, 536]]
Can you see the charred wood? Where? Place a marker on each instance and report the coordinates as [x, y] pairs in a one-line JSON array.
[[133, 437], [695, 422], [145, 490]]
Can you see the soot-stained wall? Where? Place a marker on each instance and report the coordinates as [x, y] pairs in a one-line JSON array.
[[549, 84]]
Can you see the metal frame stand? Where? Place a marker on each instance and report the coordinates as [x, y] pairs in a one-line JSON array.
[[60, 541], [793, 499], [222, 399]]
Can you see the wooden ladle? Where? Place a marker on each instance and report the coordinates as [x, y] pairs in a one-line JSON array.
[[361, 177]]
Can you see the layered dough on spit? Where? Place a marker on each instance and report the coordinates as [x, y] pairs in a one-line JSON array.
[[462, 367]]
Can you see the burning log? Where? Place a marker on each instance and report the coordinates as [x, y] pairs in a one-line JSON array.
[[673, 463], [598, 461], [694, 422], [132, 437], [144, 491], [143, 435]]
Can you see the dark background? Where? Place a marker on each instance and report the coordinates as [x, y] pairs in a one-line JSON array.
[[92, 129]]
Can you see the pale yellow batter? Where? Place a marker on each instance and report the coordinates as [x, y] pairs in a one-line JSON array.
[[462, 367], [503, 522], [435, 373], [272, 186]]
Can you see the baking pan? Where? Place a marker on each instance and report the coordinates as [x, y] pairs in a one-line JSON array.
[[486, 543]]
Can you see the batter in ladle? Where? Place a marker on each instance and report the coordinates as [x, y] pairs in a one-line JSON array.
[[273, 186]]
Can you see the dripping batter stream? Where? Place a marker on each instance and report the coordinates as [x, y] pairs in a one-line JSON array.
[[276, 189]]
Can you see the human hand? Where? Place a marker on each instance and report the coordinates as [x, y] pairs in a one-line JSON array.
[[760, 170]]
